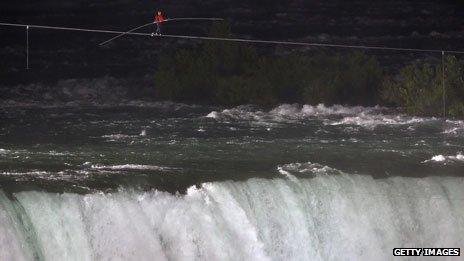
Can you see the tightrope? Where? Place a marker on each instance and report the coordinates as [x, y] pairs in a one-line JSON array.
[[240, 40]]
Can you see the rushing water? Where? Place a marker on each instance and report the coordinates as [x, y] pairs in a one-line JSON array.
[[162, 181]]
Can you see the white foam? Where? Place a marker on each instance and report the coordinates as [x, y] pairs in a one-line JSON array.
[[306, 168], [438, 158], [367, 117], [336, 115], [56, 153], [36, 173], [120, 137], [213, 115], [295, 110], [244, 112], [454, 127], [374, 120], [44, 175], [28, 153], [90, 169], [13, 244], [322, 218], [292, 111], [322, 110], [132, 167], [287, 110], [459, 157], [286, 173]]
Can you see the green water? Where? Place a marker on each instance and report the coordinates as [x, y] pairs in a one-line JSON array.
[[170, 146]]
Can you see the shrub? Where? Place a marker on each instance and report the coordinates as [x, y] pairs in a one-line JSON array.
[[231, 74], [352, 79], [195, 74], [419, 88]]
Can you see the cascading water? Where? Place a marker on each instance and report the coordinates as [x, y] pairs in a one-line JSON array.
[[176, 182], [323, 218]]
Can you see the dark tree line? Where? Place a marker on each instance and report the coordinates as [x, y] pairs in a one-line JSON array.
[[233, 74]]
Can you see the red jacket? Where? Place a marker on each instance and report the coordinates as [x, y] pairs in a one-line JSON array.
[[159, 18]]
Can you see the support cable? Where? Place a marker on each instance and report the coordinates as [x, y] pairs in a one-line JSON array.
[[152, 23], [240, 40], [308, 44], [27, 47], [443, 83]]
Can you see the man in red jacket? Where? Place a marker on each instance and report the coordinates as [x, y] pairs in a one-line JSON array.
[[159, 19]]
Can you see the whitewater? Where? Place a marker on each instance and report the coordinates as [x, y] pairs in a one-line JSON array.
[[167, 181]]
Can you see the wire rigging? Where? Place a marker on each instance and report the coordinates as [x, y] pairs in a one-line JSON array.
[[27, 48], [443, 83], [294, 43], [125, 33], [152, 23], [238, 40]]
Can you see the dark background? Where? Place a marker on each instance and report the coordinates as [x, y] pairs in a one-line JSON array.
[[130, 62]]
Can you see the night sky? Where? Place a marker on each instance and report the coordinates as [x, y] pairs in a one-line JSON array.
[[56, 55]]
